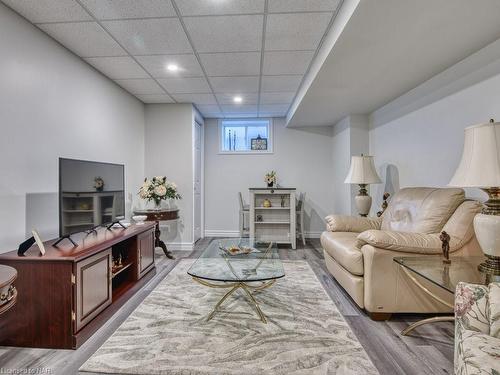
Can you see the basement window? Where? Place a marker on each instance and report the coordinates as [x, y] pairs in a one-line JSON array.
[[245, 136]]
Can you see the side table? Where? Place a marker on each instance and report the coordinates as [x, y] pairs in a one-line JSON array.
[[8, 292], [167, 214]]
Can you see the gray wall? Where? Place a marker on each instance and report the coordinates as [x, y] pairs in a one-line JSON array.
[[423, 148], [301, 158], [53, 104]]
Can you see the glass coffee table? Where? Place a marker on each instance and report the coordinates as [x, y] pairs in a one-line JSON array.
[[445, 276], [218, 267]]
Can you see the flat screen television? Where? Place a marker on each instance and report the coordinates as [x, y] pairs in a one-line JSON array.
[[90, 194]]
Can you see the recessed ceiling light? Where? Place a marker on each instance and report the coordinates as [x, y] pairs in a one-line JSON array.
[[172, 67], [237, 99]]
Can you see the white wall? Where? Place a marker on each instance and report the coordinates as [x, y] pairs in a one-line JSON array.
[[423, 148], [169, 152], [302, 159], [53, 104]]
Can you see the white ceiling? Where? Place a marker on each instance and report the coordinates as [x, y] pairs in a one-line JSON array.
[[258, 49], [389, 47]]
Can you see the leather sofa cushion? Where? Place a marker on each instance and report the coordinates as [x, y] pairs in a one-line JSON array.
[[341, 246], [421, 210]]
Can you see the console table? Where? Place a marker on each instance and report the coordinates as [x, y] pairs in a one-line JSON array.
[[70, 292], [157, 216], [275, 220]]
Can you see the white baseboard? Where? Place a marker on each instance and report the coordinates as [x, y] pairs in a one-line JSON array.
[[180, 246], [235, 233]]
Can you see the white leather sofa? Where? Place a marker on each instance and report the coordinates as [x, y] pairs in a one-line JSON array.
[[359, 251]]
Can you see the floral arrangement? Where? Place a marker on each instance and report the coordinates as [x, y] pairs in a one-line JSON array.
[[98, 183], [158, 189], [270, 178]]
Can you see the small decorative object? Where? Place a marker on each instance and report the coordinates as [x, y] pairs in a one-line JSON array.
[[98, 183], [266, 203], [282, 201], [384, 204], [270, 178], [259, 143], [84, 206], [139, 219], [238, 249], [8, 292], [480, 168], [445, 239], [362, 172], [158, 189], [258, 218], [38, 241]]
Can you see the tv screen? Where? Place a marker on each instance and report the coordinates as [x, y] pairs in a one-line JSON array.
[[90, 194]]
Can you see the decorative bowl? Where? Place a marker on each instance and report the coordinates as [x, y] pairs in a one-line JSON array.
[[139, 219]]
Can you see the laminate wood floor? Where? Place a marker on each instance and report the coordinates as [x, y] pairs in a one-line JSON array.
[[429, 350]]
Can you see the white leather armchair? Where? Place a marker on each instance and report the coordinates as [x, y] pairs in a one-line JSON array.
[[359, 251]]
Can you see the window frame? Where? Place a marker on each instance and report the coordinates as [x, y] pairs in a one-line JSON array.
[[270, 138]]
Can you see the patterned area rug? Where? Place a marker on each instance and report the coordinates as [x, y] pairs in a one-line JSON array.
[[168, 334]]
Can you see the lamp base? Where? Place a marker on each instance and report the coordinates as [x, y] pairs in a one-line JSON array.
[[491, 266], [363, 201]]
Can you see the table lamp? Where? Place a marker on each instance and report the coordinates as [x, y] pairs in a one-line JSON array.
[[480, 168], [362, 173]]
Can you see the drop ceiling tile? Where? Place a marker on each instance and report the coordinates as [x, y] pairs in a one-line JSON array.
[[286, 62], [86, 39], [204, 7], [234, 84], [225, 33], [150, 36], [38, 11], [231, 63], [198, 99], [299, 31], [276, 97], [122, 9], [187, 85], [117, 67], [274, 108], [140, 86], [272, 114], [249, 98], [158, 98], [278, 6], [280, 83], [156, 65], [239, 109], [209, 110]]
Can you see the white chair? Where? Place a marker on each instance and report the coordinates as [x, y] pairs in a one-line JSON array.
[[244, 212], [300, 216]]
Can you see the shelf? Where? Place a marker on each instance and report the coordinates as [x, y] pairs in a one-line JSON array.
[[76, 211], [273, 222], [120, 270], [272, 208], [78, 225]]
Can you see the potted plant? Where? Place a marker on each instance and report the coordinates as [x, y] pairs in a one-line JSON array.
[[98, 183], [158, 189], [270, 178]]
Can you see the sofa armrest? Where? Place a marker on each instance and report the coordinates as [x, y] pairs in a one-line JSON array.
[[419, 243], [345, 223]]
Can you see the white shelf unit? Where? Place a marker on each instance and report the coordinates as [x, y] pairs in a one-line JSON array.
[[276, 223]]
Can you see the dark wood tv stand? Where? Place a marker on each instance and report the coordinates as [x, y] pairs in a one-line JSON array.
[[70, 292]]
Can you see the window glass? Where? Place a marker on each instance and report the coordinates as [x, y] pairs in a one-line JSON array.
[[245, 136]]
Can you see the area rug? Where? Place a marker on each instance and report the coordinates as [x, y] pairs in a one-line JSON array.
[[168, 333]]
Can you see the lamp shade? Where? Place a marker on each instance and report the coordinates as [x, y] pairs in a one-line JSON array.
[[480, 164], [362, 171]]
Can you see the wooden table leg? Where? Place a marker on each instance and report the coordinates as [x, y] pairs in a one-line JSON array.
[[160, 243]]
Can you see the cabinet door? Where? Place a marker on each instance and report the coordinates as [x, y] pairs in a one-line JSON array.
[[146, 252], [93, 287]]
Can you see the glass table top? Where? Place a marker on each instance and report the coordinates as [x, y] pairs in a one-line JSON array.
[[447, 276], [215, 263]]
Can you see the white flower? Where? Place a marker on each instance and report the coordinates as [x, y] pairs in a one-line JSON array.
[[160, 190]]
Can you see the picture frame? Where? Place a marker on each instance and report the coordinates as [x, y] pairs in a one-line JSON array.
[[38, 241], [258, 144]]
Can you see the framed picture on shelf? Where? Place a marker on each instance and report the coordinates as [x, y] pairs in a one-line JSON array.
[[259, 143]]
